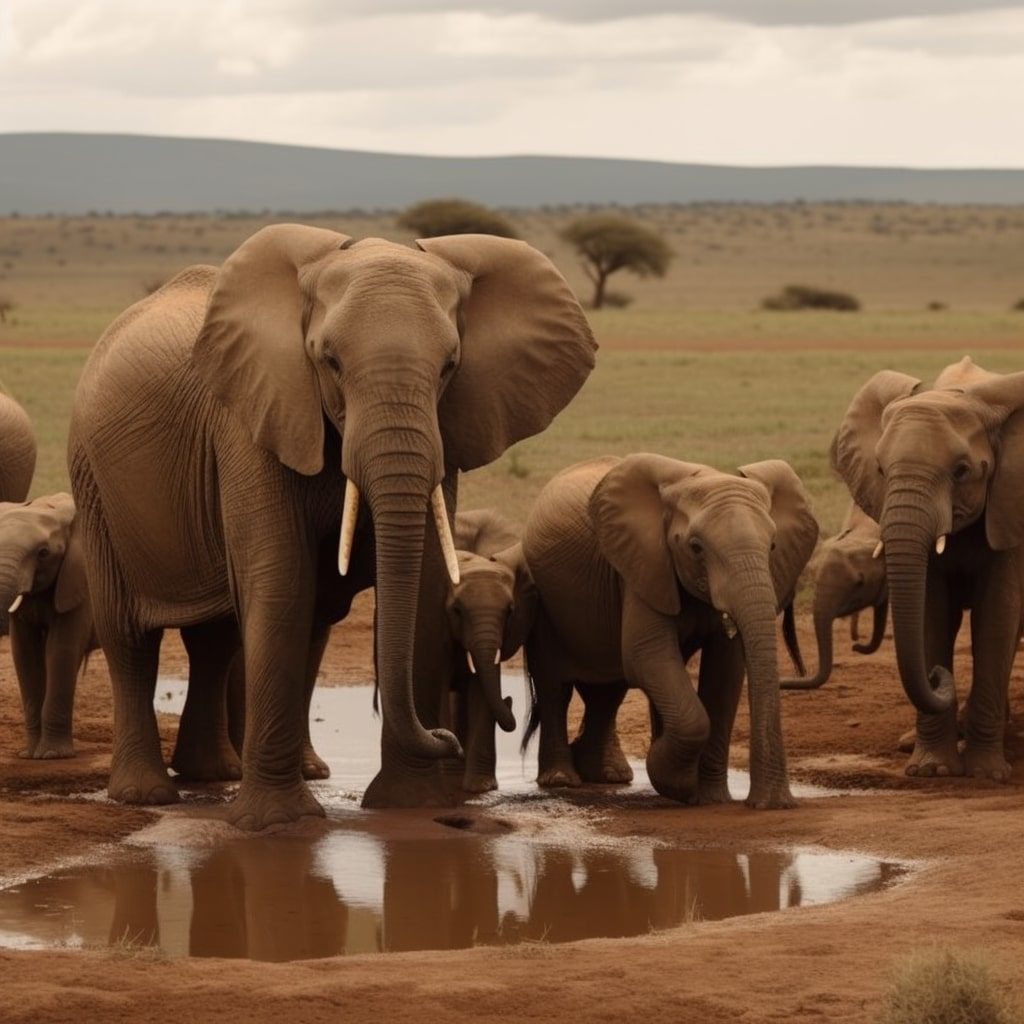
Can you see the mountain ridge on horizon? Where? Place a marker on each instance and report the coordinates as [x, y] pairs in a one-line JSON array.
[[73, 173]]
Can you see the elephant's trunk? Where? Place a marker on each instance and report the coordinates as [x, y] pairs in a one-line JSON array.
[[483, 642], [827, 601], [13, 583], [881, 612], [396, 469], [909, 531]]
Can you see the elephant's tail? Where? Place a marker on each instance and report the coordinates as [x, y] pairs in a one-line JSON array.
[[533, 721]]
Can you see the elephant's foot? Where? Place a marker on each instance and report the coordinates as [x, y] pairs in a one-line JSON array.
[[258, 806], [770, 796], [672, 769], [313, 765], [713, 791], [479, 782], [31, 744], [606, 766], [138, 783], [220, 765], [935, 760], [985, 762], [907, 741], [54, 748], [416, 784], [559, 775]]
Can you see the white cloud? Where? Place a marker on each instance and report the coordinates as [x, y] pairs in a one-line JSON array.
[[479, 78]]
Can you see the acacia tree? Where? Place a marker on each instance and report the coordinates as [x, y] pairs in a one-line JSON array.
[[435, 217], [608, 243]]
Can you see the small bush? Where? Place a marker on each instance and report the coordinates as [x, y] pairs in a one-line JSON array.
[[6, 305], [617, 300], [946, 987], [1018, 306], [435, 217], [937, 307], [802, 296]]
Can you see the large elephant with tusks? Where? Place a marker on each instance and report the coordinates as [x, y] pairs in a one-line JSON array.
[[221, 425]]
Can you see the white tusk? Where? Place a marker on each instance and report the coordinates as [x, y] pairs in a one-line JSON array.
[[940, 545], [444, 533], [497, 656], [16, 605], [349, 515], [469, 662], [877, 551], [730, 626]]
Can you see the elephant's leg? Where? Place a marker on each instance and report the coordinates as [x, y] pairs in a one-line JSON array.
[[653, 662], [995, 619], [481, 757], [137, 771], [28, 650], [66, 645], [204, 751], [935, 747], [552, 693], [313, 765], [596, 752], [236, 701], [719, 688]]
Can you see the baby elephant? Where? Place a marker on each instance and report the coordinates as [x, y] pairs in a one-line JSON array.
[[639, 563], [45, 598], [849, 577]]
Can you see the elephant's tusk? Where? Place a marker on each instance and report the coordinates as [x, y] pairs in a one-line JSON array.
[[16, 604], [470, 663], [940, 545], [729, 625], [349, 515], [878, 550], [444, 534], [497, 656]]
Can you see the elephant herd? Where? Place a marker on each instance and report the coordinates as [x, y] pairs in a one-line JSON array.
[[253, 445]]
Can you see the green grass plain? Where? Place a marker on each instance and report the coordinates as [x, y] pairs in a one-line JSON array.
[[692, 368]]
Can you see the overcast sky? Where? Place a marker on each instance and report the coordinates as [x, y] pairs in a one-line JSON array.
[[910, 82]]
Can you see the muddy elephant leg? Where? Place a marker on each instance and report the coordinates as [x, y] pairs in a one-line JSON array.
[[313, 765], [137, 771], [935, 747], [66, 647], [552, 693], [596, 752], [28, 651], [203, 751], [481, 757], [994, 628], [719, 688]]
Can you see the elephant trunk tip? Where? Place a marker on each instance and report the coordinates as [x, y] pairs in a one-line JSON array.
[[507, 720]]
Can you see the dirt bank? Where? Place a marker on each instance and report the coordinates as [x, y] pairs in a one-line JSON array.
[[825, 963]]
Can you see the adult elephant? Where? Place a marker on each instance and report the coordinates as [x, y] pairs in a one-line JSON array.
[[640, 562], [942, 469], [849, 578], [17, 450], [218, 422]]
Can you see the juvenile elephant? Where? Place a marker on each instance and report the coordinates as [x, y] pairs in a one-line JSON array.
[[640, 562], [45, 597], [221, 425], [942, 469], [849, 577], [17, 451], [490, 611]]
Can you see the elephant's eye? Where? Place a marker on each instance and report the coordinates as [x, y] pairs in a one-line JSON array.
[[448, 369], [961, 471], [332, 362], [43, 553], [881, 472], [696, 546]]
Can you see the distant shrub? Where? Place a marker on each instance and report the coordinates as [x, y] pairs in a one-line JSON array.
[[1018, 306], [435, 217], [946, 987], [936, 307], [802, 296], [6, 305], [617, 300]]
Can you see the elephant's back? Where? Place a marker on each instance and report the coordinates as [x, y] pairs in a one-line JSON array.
[[17, 451]]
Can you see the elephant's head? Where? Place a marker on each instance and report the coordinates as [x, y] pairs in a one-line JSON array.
[[426, 361], [38, 551], [847, 578], [490, 611], [928, 462], [678, 532]]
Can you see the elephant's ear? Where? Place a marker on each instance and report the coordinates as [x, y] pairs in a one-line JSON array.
[[524, 600], [72, 587], [853, 447], [628, 512], [526, 347], [251, 351], [1004, 519], [796, 529]]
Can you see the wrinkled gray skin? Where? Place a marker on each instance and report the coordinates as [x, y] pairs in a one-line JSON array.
[[942, 469], [214, 428], [640, 562], [17, 451], [848, 579], [490, 611], [41, 567]]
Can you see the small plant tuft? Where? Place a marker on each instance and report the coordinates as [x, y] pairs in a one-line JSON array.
[[940, 986], [936, 307], [1018, 306], [803, 296]]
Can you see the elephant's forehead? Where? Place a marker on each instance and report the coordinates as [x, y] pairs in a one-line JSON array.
[[376, 258], [713, 485], [939, 410]]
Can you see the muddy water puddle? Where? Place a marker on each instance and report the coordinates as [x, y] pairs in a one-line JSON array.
[[363, 887], [521, 865]]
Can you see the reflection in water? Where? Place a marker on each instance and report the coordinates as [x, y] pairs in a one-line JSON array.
[[287, 898]]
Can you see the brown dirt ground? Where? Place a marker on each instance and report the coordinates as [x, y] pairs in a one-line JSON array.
[[828, 963]]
